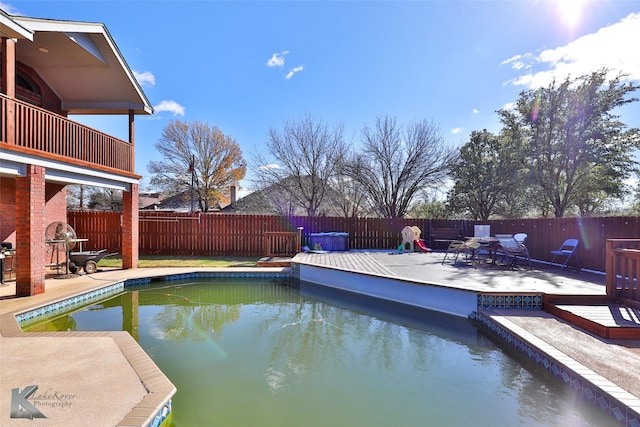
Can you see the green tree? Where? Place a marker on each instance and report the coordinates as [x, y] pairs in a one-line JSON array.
[[432, 208], [635, 203], [487, 179], [575, 149], [396, 163], [197, 158]]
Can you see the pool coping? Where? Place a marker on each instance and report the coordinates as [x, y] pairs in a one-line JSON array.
[[155, 406], [590, 386]]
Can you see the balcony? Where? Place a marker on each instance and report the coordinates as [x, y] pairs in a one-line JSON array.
[[35, 131]]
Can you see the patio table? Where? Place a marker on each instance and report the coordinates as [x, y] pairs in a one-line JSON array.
[[487, 243]]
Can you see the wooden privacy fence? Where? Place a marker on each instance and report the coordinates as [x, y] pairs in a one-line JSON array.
[[244, 235]]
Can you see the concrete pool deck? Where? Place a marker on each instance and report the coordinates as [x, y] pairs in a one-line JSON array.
[[91, 365]]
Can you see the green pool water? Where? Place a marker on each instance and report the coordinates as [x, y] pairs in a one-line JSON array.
[[262, 353]]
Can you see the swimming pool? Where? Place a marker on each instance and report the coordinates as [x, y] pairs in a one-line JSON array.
[[262, 353]]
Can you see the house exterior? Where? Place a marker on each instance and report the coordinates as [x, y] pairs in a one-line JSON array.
[[50, 69]]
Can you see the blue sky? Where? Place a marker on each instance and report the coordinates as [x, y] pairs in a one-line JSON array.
[[246, 66]]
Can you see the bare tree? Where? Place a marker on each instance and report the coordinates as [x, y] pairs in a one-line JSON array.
[[106, 199], [301, 161], [81, 197], [76, 197], [396, 163], [350, 199], [197, 158]]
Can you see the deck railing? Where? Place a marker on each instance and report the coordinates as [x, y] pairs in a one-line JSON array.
[[56, 137], [623, 268], [281, 243]]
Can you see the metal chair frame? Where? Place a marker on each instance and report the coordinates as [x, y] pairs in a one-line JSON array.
[[512, 249], [568, 249]]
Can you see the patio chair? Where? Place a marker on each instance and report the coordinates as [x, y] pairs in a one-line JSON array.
[[520, 237], [481, 230], [567, 250], [8, 264], [8, 256], [512, 250], [458, 247]]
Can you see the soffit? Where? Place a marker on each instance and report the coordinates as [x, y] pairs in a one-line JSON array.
[[82, 65]]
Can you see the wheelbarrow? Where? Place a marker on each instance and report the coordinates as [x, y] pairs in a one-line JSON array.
[[86, 260]]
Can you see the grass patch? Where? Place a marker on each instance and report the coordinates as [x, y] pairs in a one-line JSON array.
[[148, 261]]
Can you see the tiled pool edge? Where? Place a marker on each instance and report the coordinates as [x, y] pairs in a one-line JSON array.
[[587, 384], [155, 409], [119, 286]]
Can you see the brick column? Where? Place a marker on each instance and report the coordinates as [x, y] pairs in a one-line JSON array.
[[30, 228], [130, 227]]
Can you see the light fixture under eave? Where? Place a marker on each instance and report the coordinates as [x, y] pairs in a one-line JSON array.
[[43, 50]]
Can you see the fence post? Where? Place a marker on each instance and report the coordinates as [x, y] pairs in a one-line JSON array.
[[299, 240], [610, 273]]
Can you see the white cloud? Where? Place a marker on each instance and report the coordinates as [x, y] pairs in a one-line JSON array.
[[475, 112], [512, 59], [170, 106], [518, 62], [269, 166], [10, 9], [293, 71], [612, 47], [456, 131], [509, 106], [277, 59], [145, 78]]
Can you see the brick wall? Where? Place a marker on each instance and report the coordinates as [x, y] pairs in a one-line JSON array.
[[27, 206], [130, 227], [55, 207], [30, 224], [46, 99], [55, 203], [8, 210]]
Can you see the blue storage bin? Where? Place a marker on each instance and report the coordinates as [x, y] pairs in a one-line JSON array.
[[330, 241]]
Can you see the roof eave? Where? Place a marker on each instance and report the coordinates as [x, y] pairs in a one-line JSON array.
[[51, 25], [11, 29]]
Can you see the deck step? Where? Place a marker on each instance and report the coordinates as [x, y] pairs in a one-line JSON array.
[[609, 320], [274, 262]]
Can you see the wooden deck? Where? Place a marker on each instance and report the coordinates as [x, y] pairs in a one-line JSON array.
[[606, 320], [361, 262]]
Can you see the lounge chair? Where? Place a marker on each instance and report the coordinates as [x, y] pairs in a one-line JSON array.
[[520, 237], [567, 250], [511, 250]]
